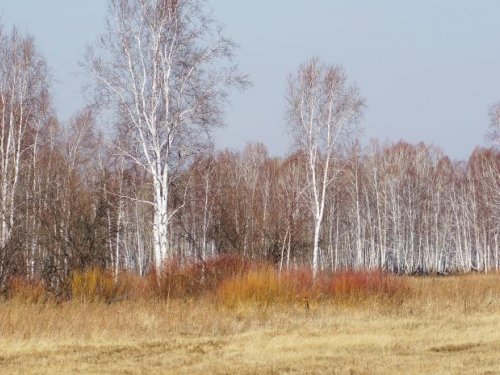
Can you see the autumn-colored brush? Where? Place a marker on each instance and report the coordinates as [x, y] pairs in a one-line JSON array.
[[231, 280], [354, 286], [26, 291], [93, 285], [261, 286]]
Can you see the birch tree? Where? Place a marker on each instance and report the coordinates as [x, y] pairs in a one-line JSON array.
[[166, 68], [24, 109], [323, 113]]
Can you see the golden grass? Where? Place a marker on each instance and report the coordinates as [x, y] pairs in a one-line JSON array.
[[441, 326]]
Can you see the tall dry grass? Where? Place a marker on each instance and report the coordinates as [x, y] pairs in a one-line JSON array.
[[354, 325], [252, 319]]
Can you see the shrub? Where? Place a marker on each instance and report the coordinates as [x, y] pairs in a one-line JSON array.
[[229, 279], [26, 291], [262, 286], [195, 279], [217, 270], [94, 285], [353, 286]]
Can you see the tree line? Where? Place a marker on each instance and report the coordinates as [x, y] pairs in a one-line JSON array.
[[155, 190]]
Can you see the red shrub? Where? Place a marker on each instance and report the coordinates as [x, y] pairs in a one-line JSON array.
[[355, 285]]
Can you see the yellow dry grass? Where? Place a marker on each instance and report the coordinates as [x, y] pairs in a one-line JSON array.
[[443, 326]]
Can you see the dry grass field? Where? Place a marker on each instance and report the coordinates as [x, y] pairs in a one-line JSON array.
[[447, 325]]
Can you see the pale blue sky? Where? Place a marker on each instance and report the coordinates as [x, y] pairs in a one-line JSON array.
[[429, 69]]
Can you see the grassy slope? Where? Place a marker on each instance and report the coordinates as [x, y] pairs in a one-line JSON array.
[[444, 326]]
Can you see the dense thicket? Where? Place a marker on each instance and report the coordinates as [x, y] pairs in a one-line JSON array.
[[400, 207], [69, 201]]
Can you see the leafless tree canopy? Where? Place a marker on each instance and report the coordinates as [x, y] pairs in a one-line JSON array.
[[323, 108], [166, 67], [154, 192], [323, 113]]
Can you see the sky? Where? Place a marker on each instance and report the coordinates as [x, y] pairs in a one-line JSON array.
[[429, 69]]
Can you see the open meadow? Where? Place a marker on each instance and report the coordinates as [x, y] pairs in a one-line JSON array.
[[424, 325]]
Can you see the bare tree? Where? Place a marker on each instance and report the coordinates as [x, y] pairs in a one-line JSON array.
[[166, 67], [323, 111], [24, 110]]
